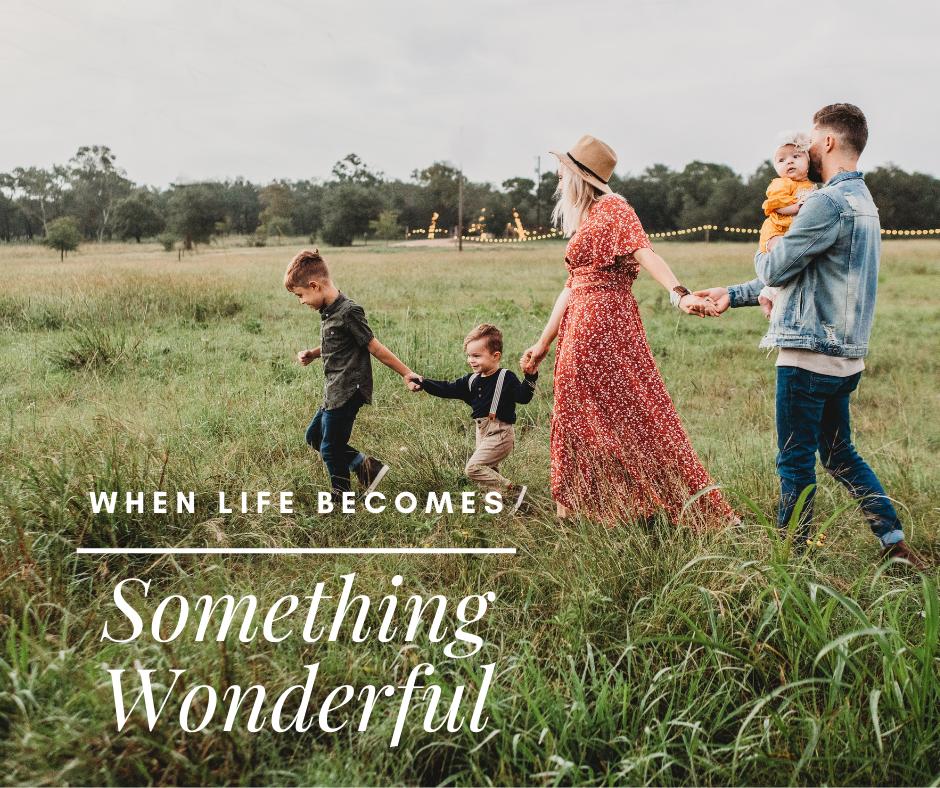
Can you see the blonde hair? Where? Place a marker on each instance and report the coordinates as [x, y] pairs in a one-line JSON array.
[[577, 198]]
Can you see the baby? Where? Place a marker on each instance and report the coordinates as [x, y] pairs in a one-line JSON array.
[[786, 194]]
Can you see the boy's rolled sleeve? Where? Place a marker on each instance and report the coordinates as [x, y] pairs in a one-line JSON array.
[[358, 326]]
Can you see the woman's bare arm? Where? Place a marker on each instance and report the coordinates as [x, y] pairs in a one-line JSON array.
[[535, 355], [662, 273]]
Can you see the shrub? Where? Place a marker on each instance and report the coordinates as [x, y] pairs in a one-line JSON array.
[[63, 235], [168, 240]]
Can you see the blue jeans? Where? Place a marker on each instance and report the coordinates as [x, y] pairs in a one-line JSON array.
[[813, 415], [329, 433]]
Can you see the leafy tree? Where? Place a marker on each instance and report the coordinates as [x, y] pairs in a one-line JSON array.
[[441, 186], [411, 202], [386, 228], [906, 201], [9, 211], [277, 201], [63, 234], [97, 186], [168, 241], [546, 196], [520, 195], [138, 216], [42, 191], [196, 208], [241, 205], [653, 195], [351, 170], [347, 210], [308, 207], [279, 226]]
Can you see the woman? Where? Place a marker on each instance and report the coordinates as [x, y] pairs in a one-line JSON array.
[[618, 448]]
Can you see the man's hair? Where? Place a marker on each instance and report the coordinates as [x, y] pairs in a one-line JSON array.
[[846, 120], [306, 266], [492, 335]]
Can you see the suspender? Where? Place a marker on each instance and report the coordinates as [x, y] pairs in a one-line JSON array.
[[496, 394]]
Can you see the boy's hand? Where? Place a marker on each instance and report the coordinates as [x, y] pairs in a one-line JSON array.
[[413, 381], [306, 356]]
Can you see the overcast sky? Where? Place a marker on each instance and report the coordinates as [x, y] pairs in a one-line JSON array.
[[284, 88]]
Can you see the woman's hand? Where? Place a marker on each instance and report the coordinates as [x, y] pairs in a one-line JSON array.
[[696, 305], [533, 357]]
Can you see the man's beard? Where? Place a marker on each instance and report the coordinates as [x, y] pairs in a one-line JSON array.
[[814, 175]]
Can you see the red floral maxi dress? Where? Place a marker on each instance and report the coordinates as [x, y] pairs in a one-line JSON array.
[[619, 450]]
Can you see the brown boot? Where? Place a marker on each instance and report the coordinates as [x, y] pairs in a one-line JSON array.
[[370, 472], [902, 551]]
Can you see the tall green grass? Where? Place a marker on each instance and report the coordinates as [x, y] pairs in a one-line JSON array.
[[642, 654]]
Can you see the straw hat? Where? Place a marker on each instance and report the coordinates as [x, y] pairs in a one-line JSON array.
[[592, 160]]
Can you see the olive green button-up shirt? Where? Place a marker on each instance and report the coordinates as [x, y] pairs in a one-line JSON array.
[[347, 363]]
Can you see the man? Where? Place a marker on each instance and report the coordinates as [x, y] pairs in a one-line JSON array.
[[826, 272]]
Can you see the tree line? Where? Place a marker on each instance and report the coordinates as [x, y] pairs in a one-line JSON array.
[[92, 198]]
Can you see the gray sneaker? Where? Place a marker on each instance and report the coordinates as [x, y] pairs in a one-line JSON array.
[[519, 492]]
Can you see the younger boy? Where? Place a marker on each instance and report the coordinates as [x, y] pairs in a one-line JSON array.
[[345, 347], [492, 393]]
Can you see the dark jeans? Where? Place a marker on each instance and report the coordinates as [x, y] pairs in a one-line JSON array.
[[813, 415], [329, 433]]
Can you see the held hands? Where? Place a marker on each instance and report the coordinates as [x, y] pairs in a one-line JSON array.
[[532, 358], [718, 295], [703, 306], [413, 381]]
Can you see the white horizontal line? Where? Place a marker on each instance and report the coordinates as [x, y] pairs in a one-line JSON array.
[[295, 551]]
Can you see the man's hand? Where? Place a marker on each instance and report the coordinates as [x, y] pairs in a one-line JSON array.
[[766, 304], [717, 294], [306, 356], [697, 305], [413, 381]]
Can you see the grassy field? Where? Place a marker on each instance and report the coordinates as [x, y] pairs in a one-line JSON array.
[[641, 654]]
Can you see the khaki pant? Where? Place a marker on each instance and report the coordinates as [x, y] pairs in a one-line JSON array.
[[495, 440]]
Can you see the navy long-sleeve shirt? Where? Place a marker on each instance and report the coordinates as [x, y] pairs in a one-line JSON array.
[[480, 396]]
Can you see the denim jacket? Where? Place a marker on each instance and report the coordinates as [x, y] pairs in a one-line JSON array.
[[826, 272]]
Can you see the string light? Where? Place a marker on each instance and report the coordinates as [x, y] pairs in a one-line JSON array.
[[528, 235], [553, 234]]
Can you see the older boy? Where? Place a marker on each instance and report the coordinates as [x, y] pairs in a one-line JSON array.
[[492, 393], [347, 344]]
